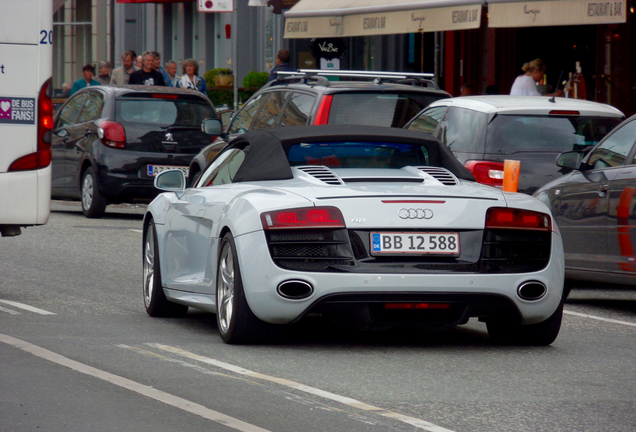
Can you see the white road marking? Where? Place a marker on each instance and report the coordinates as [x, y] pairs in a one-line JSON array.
[[9, 311], [600, 318], [421, 424], [27, 307], [141, 389]]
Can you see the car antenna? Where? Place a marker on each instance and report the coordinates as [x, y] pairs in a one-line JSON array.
[[552, 99]]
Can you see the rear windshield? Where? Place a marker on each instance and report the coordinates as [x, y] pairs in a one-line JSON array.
[[358, 154], [378, 109], [165, 113], [510, 134]]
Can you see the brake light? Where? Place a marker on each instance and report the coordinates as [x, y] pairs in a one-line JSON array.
[[165, 96], [112, 134], [309, 217], [508, 218], [488, 173], [42, 157], [563, 112], [322, 114]]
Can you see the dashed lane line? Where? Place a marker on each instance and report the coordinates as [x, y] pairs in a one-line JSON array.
[[420, 424], [27, 307], [9, 311], [136, 387], [613, 321]]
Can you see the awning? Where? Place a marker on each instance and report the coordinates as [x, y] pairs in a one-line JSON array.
[[329, 18], [506, 13]]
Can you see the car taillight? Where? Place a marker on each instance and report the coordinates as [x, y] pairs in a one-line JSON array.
[[489, 173], [308, 217], [416, 306], [42, 157], [322, 114], [112, 134], [508, 218], [564, 112]]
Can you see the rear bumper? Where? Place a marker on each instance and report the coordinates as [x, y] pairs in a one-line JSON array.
[[25, 197], [261, 278]]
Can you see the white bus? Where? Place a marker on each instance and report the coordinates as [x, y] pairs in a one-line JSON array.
[[26, 113]]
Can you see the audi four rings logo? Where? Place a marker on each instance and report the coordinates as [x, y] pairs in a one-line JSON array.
[[415, 213]]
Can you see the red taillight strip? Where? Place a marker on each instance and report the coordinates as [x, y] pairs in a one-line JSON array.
[[322, 114], [563, 112], [416, 306], [412, 202], [509, 218], [42, 157], [302, 218], [165, 96]]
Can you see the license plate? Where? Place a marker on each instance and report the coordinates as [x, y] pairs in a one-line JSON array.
[[153, 170], [438, 243]]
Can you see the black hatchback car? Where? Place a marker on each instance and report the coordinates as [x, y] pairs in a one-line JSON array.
[[110, 142], [309, 98]]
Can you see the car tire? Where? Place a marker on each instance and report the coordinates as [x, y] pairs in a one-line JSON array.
[[236, 322], [539, 334], [93, 201], [154, 298]]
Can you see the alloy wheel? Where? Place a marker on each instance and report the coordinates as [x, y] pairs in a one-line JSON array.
[[225, 289], [87, 192], [149, 264]]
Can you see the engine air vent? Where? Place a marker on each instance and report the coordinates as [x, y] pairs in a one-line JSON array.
[[322, 173], [440, 174]]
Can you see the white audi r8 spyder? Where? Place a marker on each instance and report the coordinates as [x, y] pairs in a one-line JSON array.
[[370, 225]]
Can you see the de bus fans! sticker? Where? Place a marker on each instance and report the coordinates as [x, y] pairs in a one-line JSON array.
[[17, 110]]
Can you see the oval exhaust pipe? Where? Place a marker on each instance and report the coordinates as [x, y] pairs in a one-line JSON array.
[[532, 290], [294, 289]]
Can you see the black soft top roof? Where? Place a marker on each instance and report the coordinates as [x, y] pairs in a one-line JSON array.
[[267, 158]]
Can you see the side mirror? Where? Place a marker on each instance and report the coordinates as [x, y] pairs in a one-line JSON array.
[[62, 133], [570, 160], [171, 181], [212, 126]]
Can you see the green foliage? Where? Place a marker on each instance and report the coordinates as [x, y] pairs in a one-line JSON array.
[[209, 75], [255, 80]]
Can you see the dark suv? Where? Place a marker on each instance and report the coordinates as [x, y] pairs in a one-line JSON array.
[[311, 99], [110, 142]]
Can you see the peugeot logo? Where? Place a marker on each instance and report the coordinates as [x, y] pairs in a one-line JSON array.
[[415, 213], [169, 136]]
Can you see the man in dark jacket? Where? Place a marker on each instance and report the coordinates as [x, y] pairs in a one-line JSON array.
[[282, 64], [148, 75]]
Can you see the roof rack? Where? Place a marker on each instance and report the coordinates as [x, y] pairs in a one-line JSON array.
[[412, 78]]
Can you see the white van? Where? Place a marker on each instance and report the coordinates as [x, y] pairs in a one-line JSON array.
[[26, 113]]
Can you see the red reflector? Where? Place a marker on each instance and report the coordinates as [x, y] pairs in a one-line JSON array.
[[488, 173], [165, 96], [563, 112], [312, 217], [32, 161], [416, 306], [507, 218], [322, 114]]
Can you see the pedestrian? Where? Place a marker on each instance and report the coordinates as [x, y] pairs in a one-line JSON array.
[[147, 75], [89, 72], [103, 76], [171, 68], [66, 89], [526, 84], [467, 90], [282, 65], [121, 74], [166, 78], [191, 79]]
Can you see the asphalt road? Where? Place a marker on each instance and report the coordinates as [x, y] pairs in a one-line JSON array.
[[79, 353]]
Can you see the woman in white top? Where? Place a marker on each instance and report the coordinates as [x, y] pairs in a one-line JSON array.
[[191, 79], [525, 85]]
